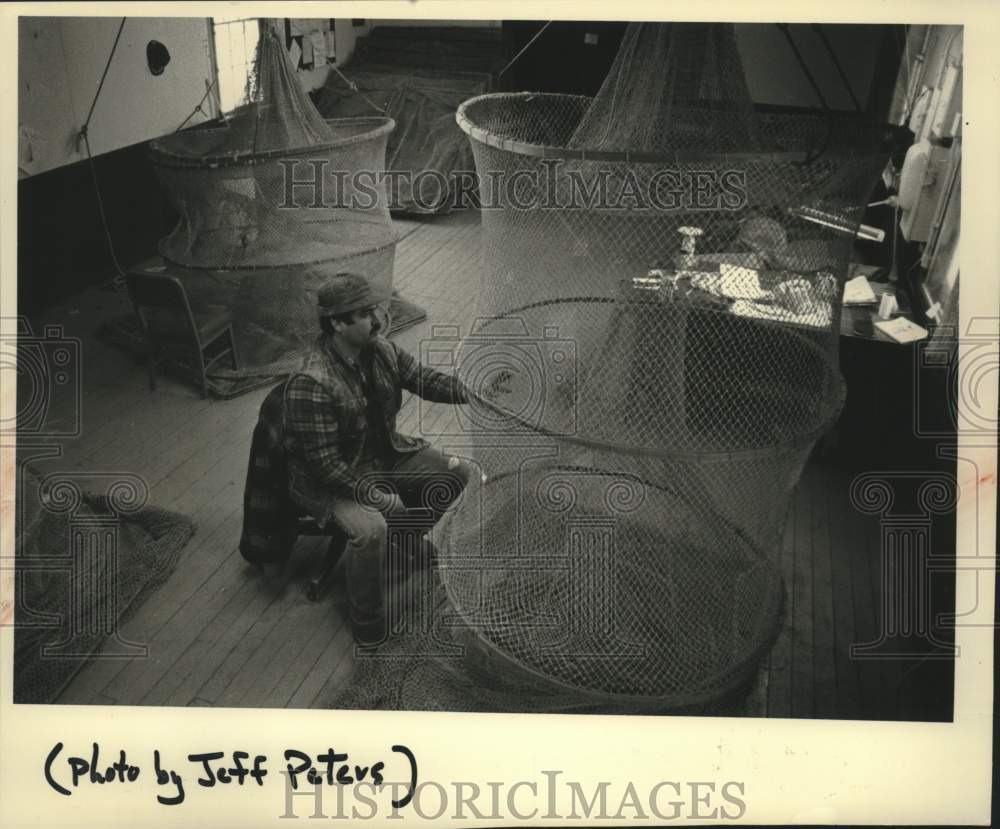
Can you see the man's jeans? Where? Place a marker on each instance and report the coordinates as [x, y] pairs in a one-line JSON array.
[[423, 481]]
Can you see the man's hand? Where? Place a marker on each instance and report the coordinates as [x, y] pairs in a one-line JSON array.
[[498, 384]]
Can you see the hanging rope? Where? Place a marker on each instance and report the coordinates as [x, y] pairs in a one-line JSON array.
[[822, 148], [197, 108], [836, 65], [514, 59], [783, 27], [117, 281], [354, 88], [265, 29]]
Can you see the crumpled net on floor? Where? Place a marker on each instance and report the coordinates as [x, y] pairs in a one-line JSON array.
[[72, 593], [419, 75]]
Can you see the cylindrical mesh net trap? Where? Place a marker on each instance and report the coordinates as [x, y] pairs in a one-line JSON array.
[[272, 205], [658, 317]]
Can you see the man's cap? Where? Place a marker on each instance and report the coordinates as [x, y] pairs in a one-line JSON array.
[[347, 292]]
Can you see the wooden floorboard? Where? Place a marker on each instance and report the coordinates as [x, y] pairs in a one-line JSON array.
[[848, 692], [803, 699], [871, 679], [824, 638], [887, 664], [155, 622], [779, 687], [215, 644], [178, 685], [308, 693], [308, 658], [222, 634]]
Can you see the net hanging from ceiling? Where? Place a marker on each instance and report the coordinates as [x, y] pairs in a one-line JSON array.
[[273, 204], [662, 272]]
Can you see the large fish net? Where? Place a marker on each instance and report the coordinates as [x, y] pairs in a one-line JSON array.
[[271, 206], [89, 551], [660, 294]]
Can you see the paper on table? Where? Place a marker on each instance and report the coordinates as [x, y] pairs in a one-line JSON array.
[[732, 282], [902, 330], [816, 317], [857, 291], [741, 283]]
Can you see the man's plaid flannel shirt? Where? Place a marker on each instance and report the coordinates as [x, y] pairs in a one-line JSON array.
[[326, 429]]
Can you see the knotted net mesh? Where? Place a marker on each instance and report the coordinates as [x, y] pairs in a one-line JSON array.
[[272, 205], [658, 315], [86, 560]]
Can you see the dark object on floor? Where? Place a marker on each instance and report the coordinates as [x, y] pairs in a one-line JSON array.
[[85, 563], [123, 331], [419, 76], [172, 330]]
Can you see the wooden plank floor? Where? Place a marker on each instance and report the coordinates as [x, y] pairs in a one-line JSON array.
[[221, 635]]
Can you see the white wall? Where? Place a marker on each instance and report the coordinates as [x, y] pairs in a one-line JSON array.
[[60, 65]]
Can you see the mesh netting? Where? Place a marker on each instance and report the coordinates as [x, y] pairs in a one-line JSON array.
[[274, 204], [427, 146], [697, 99], [662, 274], [83, 568], [419, 74]]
